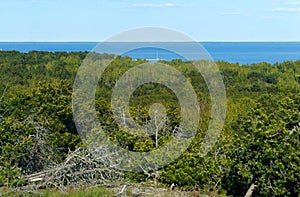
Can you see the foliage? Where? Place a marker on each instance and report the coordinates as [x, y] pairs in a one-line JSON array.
[[259, 143], [266, 152]]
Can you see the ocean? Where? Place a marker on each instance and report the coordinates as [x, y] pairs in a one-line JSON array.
[[233, 52]]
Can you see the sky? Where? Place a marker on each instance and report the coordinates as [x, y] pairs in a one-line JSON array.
[[97, 20]]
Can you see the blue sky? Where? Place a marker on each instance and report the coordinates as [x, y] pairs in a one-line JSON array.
[[96, 20]]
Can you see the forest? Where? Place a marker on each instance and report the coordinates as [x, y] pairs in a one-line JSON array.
[[258, 147]]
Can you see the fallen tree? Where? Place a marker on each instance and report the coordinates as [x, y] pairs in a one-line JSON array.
[[89, 167]]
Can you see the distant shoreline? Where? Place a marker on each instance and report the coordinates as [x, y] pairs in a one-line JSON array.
[[150, 42], [232, 52]]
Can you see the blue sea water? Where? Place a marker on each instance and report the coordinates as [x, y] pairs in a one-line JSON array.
[[234, 52]]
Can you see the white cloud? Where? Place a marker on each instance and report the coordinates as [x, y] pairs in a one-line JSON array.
[[286, 9], [230, 13], [34, 1], [152, 5], [285, 2], [292, 2], [286, 5], [270, 17]]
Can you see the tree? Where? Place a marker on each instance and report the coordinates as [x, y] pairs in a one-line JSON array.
[[266, 153]]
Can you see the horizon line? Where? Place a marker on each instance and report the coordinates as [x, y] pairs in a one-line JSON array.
[[237, 41]]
